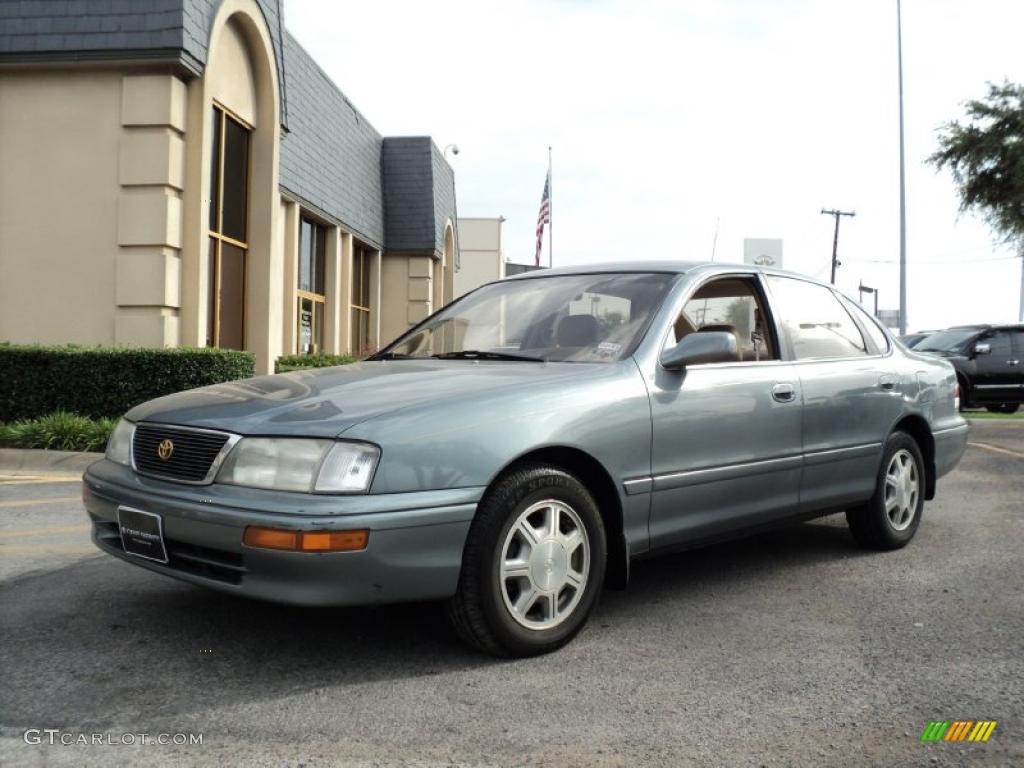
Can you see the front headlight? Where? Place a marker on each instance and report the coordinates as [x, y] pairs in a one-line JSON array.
[[119, 445], [289, 464]]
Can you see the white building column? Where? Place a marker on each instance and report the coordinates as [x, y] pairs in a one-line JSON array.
[[289, 329], [375, 299], [336, 301], [345, 292], [149, 207]]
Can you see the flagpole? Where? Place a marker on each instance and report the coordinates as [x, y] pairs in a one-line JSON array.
[[551, 216]]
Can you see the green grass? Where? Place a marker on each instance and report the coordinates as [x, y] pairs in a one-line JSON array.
[[1019, 415], [58, 431]]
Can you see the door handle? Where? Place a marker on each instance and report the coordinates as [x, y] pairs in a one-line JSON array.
[[887, 382], [784, 393], [1013, 362]]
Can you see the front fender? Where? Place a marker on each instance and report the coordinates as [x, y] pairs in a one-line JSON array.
[[456, 443]]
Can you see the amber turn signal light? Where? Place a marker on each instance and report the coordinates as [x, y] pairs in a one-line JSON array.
[[305, 541]]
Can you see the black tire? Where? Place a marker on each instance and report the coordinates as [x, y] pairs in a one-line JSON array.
[[870, 523], [478, 611], [1003, 408]]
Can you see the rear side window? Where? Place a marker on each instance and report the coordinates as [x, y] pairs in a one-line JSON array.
[[818, 326], [872, 326]]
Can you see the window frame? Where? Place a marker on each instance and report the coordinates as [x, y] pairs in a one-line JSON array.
[[772, 322], [362, 255], [215, 237], [318, 299]]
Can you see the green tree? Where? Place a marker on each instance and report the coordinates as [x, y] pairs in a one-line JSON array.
[[985, 154]]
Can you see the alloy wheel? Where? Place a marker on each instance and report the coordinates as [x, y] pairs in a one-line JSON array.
[[902, 488], [544, 565]]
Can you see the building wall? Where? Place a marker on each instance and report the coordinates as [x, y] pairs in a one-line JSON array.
[[89, 206], [407, 293], [481, 254], [105, 181]]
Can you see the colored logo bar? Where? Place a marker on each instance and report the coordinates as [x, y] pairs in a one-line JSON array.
[[959, 730]]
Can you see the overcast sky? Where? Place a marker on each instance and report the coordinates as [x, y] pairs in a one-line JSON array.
[[667, 117]]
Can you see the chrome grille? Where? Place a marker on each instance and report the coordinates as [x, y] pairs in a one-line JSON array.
[[191, 455]]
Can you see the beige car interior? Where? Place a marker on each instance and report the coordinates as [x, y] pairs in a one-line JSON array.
[[717, 303]]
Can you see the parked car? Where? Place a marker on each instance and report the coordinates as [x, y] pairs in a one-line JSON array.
[[989, 363], [512, 453], [911, 340]]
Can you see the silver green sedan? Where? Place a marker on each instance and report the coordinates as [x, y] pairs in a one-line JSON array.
[[515, 451]]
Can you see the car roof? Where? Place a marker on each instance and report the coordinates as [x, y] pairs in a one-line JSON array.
[[666, 266], [670, 267], [988, 327]]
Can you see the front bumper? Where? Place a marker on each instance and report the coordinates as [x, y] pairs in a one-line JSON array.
[[414, 550]]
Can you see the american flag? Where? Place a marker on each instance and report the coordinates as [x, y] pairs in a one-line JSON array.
[[543, 216]]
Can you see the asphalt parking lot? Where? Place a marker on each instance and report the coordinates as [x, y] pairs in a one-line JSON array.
[[789, 648]]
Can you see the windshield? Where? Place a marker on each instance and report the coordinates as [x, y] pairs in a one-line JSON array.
[[571, 318], [946, 341]]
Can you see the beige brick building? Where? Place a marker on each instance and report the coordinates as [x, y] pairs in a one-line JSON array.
[[182, 173]]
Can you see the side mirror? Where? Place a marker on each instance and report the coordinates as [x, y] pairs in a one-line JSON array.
[[698, 348], [982, 348]]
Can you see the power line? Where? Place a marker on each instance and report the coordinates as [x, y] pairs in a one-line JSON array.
[[966, 260]]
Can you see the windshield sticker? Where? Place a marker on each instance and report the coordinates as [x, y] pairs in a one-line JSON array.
[[608, 348]]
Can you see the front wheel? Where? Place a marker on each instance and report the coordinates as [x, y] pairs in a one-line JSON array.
[[1003, 408], [890, 518], [533, 565]]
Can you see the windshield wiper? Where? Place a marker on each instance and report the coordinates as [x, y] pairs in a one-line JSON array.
[[389, 356], [479, 354]]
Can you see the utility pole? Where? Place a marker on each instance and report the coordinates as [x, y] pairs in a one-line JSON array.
[[903, 178], [1022, 282], [835, 238]]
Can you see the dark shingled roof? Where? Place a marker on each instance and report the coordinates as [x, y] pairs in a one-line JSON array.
[[392, 193]]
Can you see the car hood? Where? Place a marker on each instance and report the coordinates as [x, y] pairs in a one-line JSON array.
[[325, 402]]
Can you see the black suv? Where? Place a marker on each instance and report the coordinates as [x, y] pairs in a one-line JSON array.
[[989, 362]]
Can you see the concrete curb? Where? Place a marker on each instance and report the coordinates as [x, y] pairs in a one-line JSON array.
[[45, 462]]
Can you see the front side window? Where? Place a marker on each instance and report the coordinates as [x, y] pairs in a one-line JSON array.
[[570, 318], [311, 294], [733, 305], [361, 299], [228, 231], [1018, 344], [818, 326], [999, 341]]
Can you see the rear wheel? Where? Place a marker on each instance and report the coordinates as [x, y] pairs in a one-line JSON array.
[[533, 566], [890, 519], [1003, 408]]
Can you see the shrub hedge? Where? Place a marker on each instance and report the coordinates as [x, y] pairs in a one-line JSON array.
[[104, 382], [298, 362], [58, 432]]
